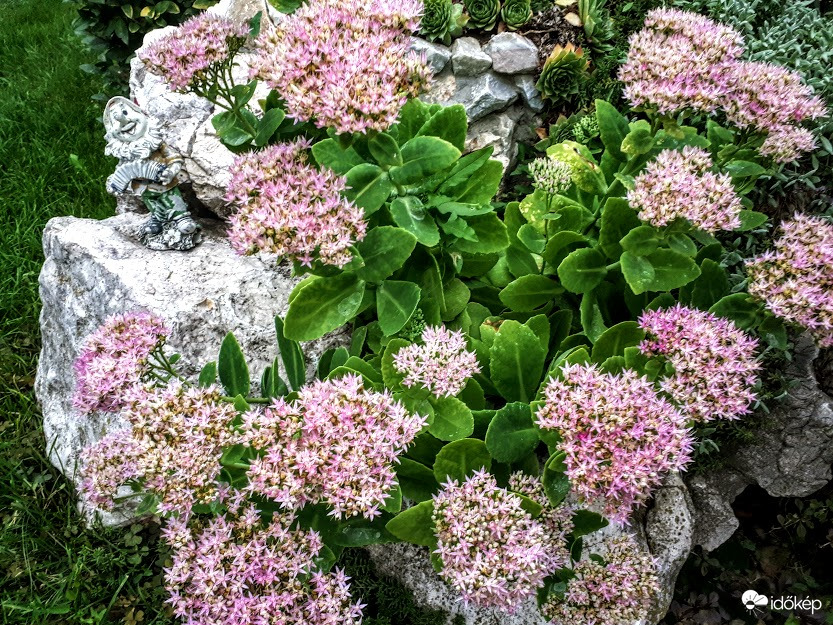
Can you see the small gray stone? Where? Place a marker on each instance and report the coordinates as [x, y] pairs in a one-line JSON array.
[[467, 58], [442, 89], [529, 92], [498, 131], [669, 530], [512, 54], [436, 54], [485, 94]]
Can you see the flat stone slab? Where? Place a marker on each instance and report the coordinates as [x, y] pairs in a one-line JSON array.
[[95, 269]]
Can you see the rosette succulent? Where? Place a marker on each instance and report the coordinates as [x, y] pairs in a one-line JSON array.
[[563, 73], [442, 20], [516, 13], [482, 13]]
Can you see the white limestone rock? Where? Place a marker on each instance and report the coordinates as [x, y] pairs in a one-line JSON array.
[[467, 59], [437, 55], [665, 533], [411, 565], [791, 456], [95, 269], [512, 53], [185, 119]]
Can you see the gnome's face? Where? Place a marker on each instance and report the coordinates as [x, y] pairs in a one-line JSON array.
[[126, 123]]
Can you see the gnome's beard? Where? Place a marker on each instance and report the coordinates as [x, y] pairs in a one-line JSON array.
[[126, 148]]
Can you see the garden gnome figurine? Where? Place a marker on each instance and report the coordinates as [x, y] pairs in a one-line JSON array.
[[148, 168]]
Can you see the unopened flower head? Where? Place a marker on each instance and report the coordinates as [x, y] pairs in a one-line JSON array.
[[619, 591], [337, 444], [442, 364], [288, 207], [795, 279], [715, 365], [676, 62], [620, 438], [173, 447], [492, 551], [682, 185], [188, 57], [551, 175], [114, 359], [234, 569], [344, 64]]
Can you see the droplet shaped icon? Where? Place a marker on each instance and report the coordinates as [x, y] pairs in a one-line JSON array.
[[752, 600]]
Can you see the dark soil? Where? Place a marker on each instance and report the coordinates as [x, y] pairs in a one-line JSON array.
[[549, 29]]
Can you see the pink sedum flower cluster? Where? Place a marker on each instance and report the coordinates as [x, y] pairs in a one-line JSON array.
[[186, 57], [773, 99], [715, 368], [557, 521], [288, 207], [619, 437], [682, 185], [675, 62], [174, 444], [344, 64], [337, 444], [114, 359], [683, 61], [235, 570], [492, 551], [442, 364], [618, 592], [795, 279]]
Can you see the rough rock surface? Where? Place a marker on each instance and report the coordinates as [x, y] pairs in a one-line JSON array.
[[485, 94], [498, 131], [512, 53], [529, 92], [467, 58], [411, 565], [437, 55], [95, 269], [665, 532], [791, 456]]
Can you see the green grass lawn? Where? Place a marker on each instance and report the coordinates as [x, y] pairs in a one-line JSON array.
[[51, 163]]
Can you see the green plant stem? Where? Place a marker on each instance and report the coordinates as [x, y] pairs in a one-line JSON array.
[[249, 400]]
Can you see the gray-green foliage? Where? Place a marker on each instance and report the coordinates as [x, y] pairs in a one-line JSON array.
[[794, 34]]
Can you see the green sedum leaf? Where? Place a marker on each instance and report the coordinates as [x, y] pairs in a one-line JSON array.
[[232, 367], [529, 292], [415, 525], [396, 301], [460, 459], [384, 250], [516, 361], [322, 305], [512, 435], [452, 419], [582, 271]]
